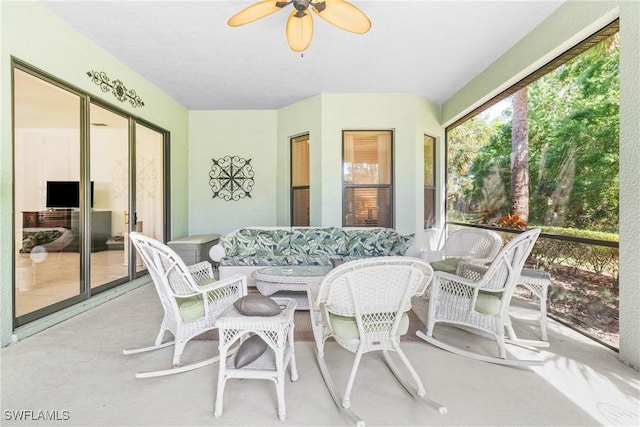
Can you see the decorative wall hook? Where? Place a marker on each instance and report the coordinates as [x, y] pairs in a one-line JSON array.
[[118, 88], [231, 178]]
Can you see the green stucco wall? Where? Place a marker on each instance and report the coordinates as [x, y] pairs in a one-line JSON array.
[[264, 136], [246, 134]]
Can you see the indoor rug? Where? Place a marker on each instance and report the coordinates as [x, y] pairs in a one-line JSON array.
[[303, 332]]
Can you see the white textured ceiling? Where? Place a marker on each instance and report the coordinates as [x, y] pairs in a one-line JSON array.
[[186, 48]]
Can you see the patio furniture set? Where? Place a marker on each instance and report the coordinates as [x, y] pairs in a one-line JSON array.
[[362, 304]]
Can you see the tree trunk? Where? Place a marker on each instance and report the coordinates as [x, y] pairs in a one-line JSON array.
[[520, 156]]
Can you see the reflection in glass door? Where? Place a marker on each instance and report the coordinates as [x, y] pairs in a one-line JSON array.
[[149, 218], [47, 195], [109, 160]]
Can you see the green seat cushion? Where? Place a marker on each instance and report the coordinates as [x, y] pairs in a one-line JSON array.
[[449, 265], [206, 282], [346, 327], [488, 302], [191, 308]]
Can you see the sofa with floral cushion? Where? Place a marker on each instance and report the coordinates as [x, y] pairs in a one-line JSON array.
[[249, 249]]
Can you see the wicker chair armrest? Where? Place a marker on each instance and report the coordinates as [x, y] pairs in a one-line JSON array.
[[448, 277], [227, 282], [201, 271], [471, 271], [449, 282], [213, 285], [221, 294]]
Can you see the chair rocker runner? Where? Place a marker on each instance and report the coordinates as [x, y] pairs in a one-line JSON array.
[[363, 305], [191, 298], [477, 299]]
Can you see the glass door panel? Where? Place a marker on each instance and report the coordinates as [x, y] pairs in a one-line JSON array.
[[109, 157], [149, 218], [47, 142]]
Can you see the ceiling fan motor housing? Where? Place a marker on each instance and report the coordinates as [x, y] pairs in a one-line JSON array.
[[302, 5]]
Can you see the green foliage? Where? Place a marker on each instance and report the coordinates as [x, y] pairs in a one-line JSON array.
[[573, 149], [600, 259]]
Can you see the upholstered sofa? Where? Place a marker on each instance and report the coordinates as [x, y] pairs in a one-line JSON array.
[[248, 249]]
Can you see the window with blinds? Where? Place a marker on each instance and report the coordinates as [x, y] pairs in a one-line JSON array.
[[300, 181], [367, 174], [429, 181]]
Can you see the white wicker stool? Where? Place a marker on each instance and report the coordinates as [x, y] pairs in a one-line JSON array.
[[537, 282], [276, 331]]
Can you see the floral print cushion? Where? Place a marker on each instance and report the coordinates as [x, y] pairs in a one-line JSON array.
[[318, 242], [310, 246], [374, 242], [229, 246], [257, 261], [401, 244], [303, 259], [253, 242]]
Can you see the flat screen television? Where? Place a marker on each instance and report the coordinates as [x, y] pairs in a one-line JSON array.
[[64, 194]]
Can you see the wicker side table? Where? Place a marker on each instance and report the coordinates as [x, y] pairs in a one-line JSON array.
[[276, 331], [537, 282]]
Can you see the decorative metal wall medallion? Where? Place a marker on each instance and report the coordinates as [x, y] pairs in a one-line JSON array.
[[116, 87], [231, 178]]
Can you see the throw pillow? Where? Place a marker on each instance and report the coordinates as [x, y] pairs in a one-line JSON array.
[[257, 305], [249, 351], [401, 244], [374, 242]]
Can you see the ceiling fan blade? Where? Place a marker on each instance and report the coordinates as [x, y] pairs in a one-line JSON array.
[[254, 12], [299, 31], [344, 15]]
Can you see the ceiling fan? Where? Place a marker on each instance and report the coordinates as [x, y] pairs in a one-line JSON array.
[[299, 29]]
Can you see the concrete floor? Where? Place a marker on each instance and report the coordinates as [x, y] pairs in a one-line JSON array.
[[76, 372]]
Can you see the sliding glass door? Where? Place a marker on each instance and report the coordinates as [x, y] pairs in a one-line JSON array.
[[47, 146], [86, 175]]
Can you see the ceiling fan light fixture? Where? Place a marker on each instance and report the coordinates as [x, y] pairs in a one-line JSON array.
[[299, 31]]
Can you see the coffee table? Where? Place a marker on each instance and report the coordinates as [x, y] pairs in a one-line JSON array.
[[290, 281]]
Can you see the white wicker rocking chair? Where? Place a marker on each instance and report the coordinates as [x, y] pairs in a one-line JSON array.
[[363, 304], [475, 245], [477, 299], [191, 298]]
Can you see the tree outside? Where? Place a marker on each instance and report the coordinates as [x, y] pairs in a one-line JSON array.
[[550, 158]]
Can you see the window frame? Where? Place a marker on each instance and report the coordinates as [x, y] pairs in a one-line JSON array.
[[390, 186], [295, 188], [429, 188]]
